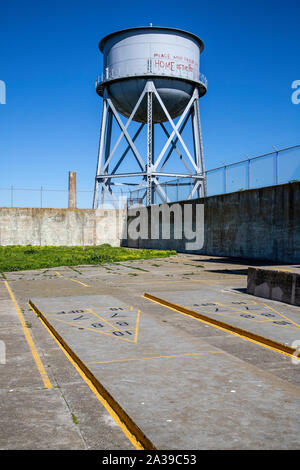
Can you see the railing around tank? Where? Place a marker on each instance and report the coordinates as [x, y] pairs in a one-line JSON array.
[[150, 67]]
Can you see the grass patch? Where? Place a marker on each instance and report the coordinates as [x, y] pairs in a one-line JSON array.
[[75, 420], [76, 270], [21, 258], [135, 267], [194, 265]]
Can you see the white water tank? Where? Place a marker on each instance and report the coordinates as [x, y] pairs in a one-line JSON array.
[[169, 57]]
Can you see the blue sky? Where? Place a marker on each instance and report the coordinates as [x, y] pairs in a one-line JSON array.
[[50, 59]]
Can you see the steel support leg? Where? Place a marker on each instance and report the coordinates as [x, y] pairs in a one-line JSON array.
[[149, 148], [100, 152], [199, 148]]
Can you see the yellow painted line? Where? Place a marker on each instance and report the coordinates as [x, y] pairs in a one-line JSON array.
[[234, 315], [65, 315], [30, 341], [90, 310], [281, 269], [244, 334], [119, 329], [106, 309], [156, 357], [137, 326], [165, 281], [251, 312], [69, 279], [281, 314], [79, 282], [80, 325], [276, 311], [129, 428], [241, 310], [237, 309]]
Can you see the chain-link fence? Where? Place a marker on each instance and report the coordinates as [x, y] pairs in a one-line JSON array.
[[173, 190], [42, 197], [278, 167]]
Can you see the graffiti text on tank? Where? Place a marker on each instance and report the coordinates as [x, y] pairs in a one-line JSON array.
[[171, 62]]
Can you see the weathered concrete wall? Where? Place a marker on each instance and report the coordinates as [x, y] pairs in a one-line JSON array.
[[276, 285], [259, 223], [68, 227]]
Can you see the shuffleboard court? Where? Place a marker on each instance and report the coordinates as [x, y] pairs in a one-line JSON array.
[[270, 320], [182, 392]]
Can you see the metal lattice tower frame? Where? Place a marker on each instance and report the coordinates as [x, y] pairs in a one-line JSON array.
[[153, 169]]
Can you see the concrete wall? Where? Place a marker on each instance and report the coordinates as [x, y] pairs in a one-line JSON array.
[[283, 286], [69, 227], [259, 223]]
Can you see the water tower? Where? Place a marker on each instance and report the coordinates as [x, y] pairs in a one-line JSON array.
[[150, 76]]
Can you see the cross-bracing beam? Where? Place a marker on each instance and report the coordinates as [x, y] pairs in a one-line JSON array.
[[151, 167]]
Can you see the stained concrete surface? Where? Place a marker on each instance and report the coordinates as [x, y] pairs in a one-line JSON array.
[[246, 398]]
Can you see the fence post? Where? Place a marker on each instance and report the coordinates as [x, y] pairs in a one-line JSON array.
[[41, 198], [277, 154], [249, 162], [12, 196], [225, 178]]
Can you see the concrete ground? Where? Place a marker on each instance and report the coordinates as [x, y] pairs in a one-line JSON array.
[[187, 385]]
